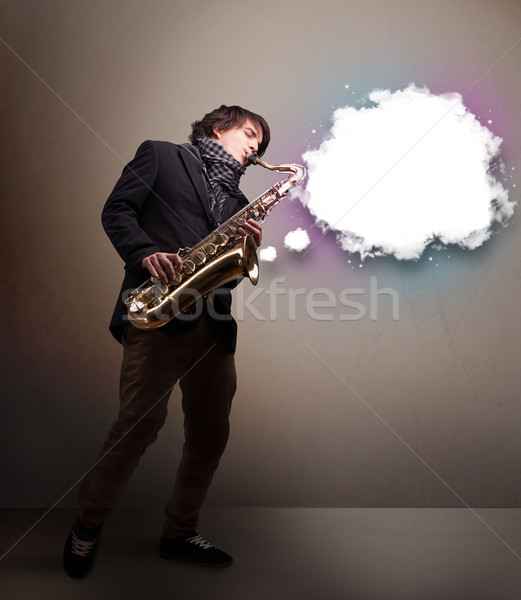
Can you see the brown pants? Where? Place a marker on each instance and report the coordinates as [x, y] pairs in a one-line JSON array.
[[153, 361]]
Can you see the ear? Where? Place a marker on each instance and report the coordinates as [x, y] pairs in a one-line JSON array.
[[216, 134]]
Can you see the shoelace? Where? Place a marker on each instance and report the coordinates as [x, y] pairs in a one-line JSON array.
[[81, 547], [198, 540]]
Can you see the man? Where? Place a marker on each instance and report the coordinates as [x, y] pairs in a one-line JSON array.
[[168, 197]]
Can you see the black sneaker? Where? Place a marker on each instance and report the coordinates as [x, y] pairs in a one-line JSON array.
[[80, 548], [195, 549]]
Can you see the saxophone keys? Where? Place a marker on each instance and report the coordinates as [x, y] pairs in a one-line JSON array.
[[199, 258], [136, 307], [210, 249], [221, 239], [188, 267]]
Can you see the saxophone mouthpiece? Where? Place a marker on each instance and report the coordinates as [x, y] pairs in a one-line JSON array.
[[253, 158]]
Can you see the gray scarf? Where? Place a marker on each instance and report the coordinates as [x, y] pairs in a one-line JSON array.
[[223, 172]]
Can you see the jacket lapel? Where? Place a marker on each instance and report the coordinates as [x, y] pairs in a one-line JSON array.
[[194, 168]]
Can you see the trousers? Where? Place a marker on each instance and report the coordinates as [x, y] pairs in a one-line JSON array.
[[153, 361]]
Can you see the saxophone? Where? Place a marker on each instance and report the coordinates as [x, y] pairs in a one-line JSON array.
[[214, 261]]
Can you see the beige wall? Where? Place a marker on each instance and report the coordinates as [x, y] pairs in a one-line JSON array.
[[419, 411]]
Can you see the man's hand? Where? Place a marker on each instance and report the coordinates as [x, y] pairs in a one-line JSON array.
[[251, 227], [161, 265]]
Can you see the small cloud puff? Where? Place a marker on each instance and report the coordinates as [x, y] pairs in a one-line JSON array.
[[268, 254], [297, 240]]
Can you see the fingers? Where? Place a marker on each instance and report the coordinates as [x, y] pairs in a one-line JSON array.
[[251, 227], [161, 265]]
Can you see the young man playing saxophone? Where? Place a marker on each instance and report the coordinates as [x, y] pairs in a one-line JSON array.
[[168, 197]]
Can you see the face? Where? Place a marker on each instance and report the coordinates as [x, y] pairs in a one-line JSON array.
[[240, 142]]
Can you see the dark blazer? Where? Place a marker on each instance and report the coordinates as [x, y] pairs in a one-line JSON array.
[[160, 204]]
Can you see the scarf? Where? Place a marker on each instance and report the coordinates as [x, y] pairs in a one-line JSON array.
[[222, 170]]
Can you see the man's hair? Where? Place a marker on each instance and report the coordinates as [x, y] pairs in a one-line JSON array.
[[229, 117]]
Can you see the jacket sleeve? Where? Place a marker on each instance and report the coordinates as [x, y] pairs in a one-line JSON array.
[[120, 215]]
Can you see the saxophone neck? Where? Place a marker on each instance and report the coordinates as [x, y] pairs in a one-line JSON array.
[[298, 171]]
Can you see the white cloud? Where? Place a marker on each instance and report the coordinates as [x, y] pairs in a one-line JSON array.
[[268, 254], [413, 168], [297, 240]]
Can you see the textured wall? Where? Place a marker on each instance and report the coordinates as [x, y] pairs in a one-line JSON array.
[[419, 410]]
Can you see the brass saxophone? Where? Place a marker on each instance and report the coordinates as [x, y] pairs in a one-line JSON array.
[[214, 261]]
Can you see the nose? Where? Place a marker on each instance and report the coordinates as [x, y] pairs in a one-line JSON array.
[[254, 145]]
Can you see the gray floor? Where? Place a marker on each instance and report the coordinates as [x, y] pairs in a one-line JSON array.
[[280, 553]]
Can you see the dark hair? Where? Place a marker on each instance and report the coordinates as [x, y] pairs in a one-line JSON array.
[[229, 117]]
